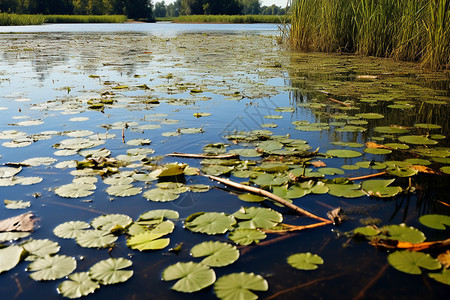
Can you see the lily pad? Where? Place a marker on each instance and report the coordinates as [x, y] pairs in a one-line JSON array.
[[377, 151], [246, 152], [20, 204], [390, 129], [107, 222], [159, 213], [71, 229], [417, 140], [370, 116], [435, 221], [257, 217], [147, 241], [52, 267], [239, 286], [251, 198], [123, 190], [305, 261], [403, 233], [245, 236], [110, 271], [7, 172], [217, 254], [10, 257], [381, 188], [75, 190], [367, 231], [345, 190], [160, 195], [411, 262], [78, 285], [210, 222], [191, 276], [344, 153], [95, 239], [41, 248], [443, 277]]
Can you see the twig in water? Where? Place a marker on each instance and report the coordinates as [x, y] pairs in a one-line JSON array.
[[19, 287], [297, 228], [79, 207], [190, 155], [339, 102], [269, 195], [362, 293], [368, 176], [123, 135]]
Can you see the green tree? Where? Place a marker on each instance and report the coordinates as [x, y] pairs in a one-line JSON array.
[[139, 9], [250, 7], [173, 9], [160, 9]]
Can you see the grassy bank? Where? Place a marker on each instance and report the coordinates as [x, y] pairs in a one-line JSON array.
[[417, 30], [15, 19], [231, 19]]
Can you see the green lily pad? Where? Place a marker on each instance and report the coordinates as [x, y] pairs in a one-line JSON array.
[[191, 276], [107, 222], [251, 197], [210, 222], [246, 152], [330, 171], [345, 190], [397, 146], [367, 231], [190, 130], [417, 140], [160, 195], [246, 236], [139, 142], [20, 204], [285, 109], [390, 129], [110, 271], [305, 261], [344, 153], [418, 161], [75, 190], [95, 239], [370, 165], [41, 248], [443, 277], [159, 213], [10, 257], [403, 233], [257, 217], [12, 236], [427, 126], [173, 169], [370, 116], [411, 262], [123, 190], [239, 286], [7, 172], [435, 221], [71, 229], [198, 188], [52, 267], [377, 151], [445, 169], [147, 241], [78, 285], [217, 254], [380, 188]]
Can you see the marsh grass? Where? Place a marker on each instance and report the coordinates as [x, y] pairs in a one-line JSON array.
[[416, 30], [85, 19], [231, 19], [16, 19]]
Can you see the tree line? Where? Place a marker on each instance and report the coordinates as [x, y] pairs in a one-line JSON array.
[[133, 9]]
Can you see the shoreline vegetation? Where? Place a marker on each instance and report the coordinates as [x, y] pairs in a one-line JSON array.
[[408, 30]]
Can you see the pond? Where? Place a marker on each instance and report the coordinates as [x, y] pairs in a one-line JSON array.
[[91, 112]]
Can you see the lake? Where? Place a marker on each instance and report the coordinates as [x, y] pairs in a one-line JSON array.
[[91, 111]]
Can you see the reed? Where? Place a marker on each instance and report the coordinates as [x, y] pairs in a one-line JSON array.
[[230, 19], [85, 19], [415, 30], [18, 19]]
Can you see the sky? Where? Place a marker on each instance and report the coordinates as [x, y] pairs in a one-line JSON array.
[[281, 3]]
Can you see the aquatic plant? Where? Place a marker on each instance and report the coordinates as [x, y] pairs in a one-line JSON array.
[[17, 19]]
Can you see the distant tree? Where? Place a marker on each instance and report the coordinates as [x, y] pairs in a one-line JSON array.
[[173, 9], [210, 7], [250, 7], [139, 9], [160, 9]]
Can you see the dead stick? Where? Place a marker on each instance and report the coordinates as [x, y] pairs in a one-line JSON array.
[[123, 136], [362, 293], [79, 207], [368, 176], [190, 155], [269, 195], [340, 102], [312, 282], [19, 287], [298, 228], [246, 249]]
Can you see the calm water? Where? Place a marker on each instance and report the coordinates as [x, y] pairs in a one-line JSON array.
[[50, 73]]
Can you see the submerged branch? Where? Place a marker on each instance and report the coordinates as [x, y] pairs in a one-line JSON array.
[[368, 176], [362, 293], [391, 244], [265, 193], [189, 155], [339, 102], [290, 228]]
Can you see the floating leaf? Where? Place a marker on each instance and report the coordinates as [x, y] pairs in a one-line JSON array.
[[381, 188], [159, 213], [445, 169], [191, 276], [390, 129], [7, 172], [123, 190], [345, 190], [52, 267], [344, 153], [168, 170], [78, 285], [199, 115], [367, 231], [417, 140], [75, 190], [251, 197], [41, 248], [147, 241], [403, 233], [210, 222], [71, 229], [190, 130], [246, 152], [443, 277], [369, 116], [160, 195], [95, 238], [110, 271], [377, 151], [427, 126], [435, 221], [257, 217], [10, 257], [411, 262], [305, 261], [239, 286], [245, 236], [12, 236], [139, 142], [10, 204], [198, 188], [217, 254], [107, 222]]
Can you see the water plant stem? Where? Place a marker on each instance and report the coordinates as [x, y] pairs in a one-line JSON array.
[[367, 176], [267, 194], [190, 155], [362, 293]]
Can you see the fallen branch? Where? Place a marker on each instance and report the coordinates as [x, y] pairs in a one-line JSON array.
[[267, 194], [392, 244], [339, 102], [362, 293], [78, 207], [368, 176], [290, 228], [218, 156]]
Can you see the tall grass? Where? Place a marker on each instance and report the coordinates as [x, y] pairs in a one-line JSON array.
[[230, 19], [15, 19], [402, 29], [85, 19]]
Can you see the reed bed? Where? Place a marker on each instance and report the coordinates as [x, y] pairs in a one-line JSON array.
[[85, 19], [17, 19], [231, 19], [416, 30]]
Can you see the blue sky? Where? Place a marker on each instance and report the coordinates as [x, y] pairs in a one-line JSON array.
[[281, 3]]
